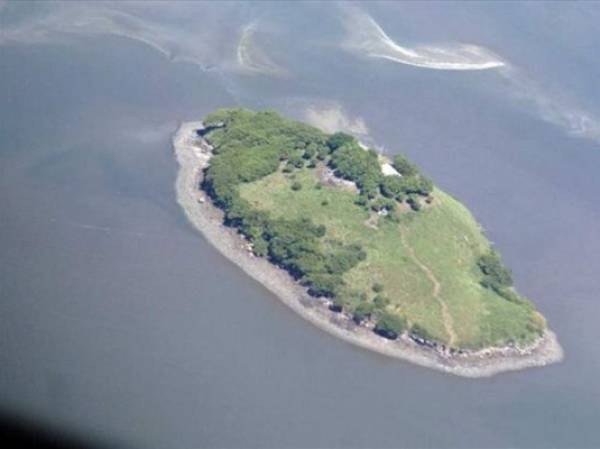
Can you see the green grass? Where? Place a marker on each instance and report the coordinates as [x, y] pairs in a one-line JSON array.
[[444, 237]]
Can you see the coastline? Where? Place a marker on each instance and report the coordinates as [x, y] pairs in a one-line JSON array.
[[193, 154]]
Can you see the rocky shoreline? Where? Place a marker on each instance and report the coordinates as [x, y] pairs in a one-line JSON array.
[[193, 154]]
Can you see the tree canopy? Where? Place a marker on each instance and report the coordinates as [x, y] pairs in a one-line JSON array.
[[390, 325], [253, 145]]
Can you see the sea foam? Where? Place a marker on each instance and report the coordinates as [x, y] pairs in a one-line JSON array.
[[252, 58], [365, 36]]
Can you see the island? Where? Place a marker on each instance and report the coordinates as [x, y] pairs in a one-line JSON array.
[[365, 247]]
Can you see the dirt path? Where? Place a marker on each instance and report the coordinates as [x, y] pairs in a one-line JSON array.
[[446, 316]]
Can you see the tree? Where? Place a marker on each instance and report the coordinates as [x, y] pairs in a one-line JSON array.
[[362, 167], [381, 301], [338, 140], [390, 326], [362, 312], [383, 204], [344, 258], [361, 200], [398, 187], [296, 160], [393, 187], [404, 166], [338, 304], [323, 284], [413, 202], [491, 266], [260, 247], [418, 332], [377, 287]]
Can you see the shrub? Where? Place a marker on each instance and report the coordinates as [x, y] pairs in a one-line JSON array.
[[383, 204], [361, 200], [393, 187], [323, 153], [377, 287], [496, 274], [296, 160], [393, 216], [418, 332], [390, 326], [381, 301], [344, 258], [338, 304], [413, 202], [296, 186], [416, 185], [320, 284], [338, 140], [260, 247], [537, 323], [310, 152], [398, 187], [363, 311], [404, 166]]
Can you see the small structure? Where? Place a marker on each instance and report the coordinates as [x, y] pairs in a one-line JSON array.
[[388, 170]]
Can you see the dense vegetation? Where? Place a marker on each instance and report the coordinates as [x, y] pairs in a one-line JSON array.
[[352, 162], [264, 176], [252, 145], [249, 146], [496, 276], [390, 325]]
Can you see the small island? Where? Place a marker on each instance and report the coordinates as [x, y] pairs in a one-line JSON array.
[[366, 248]]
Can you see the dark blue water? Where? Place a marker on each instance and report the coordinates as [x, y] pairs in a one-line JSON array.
[[119, 322]]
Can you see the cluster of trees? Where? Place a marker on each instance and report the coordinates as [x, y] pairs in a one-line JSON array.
[[404, 166], [338, 140], [419, 333], [366, 309], [400, 187], [496, 276], [352, 162], [387, 324], [390, 325], [250, 146]]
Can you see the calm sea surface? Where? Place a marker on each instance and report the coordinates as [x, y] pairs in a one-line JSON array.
[[119, 322]]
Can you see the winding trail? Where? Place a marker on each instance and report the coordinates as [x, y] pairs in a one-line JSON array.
[[437, 287]]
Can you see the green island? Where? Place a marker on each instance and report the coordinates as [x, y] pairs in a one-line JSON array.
[[371, 239]]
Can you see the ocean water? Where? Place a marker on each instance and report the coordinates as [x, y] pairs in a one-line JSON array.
[[121, 324]]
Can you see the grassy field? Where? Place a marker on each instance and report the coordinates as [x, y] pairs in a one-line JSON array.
[[426, 261]]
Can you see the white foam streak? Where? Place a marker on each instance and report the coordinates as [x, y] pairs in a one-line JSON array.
[[366, 37], [251, 58], [550, 107], [61, 24]]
